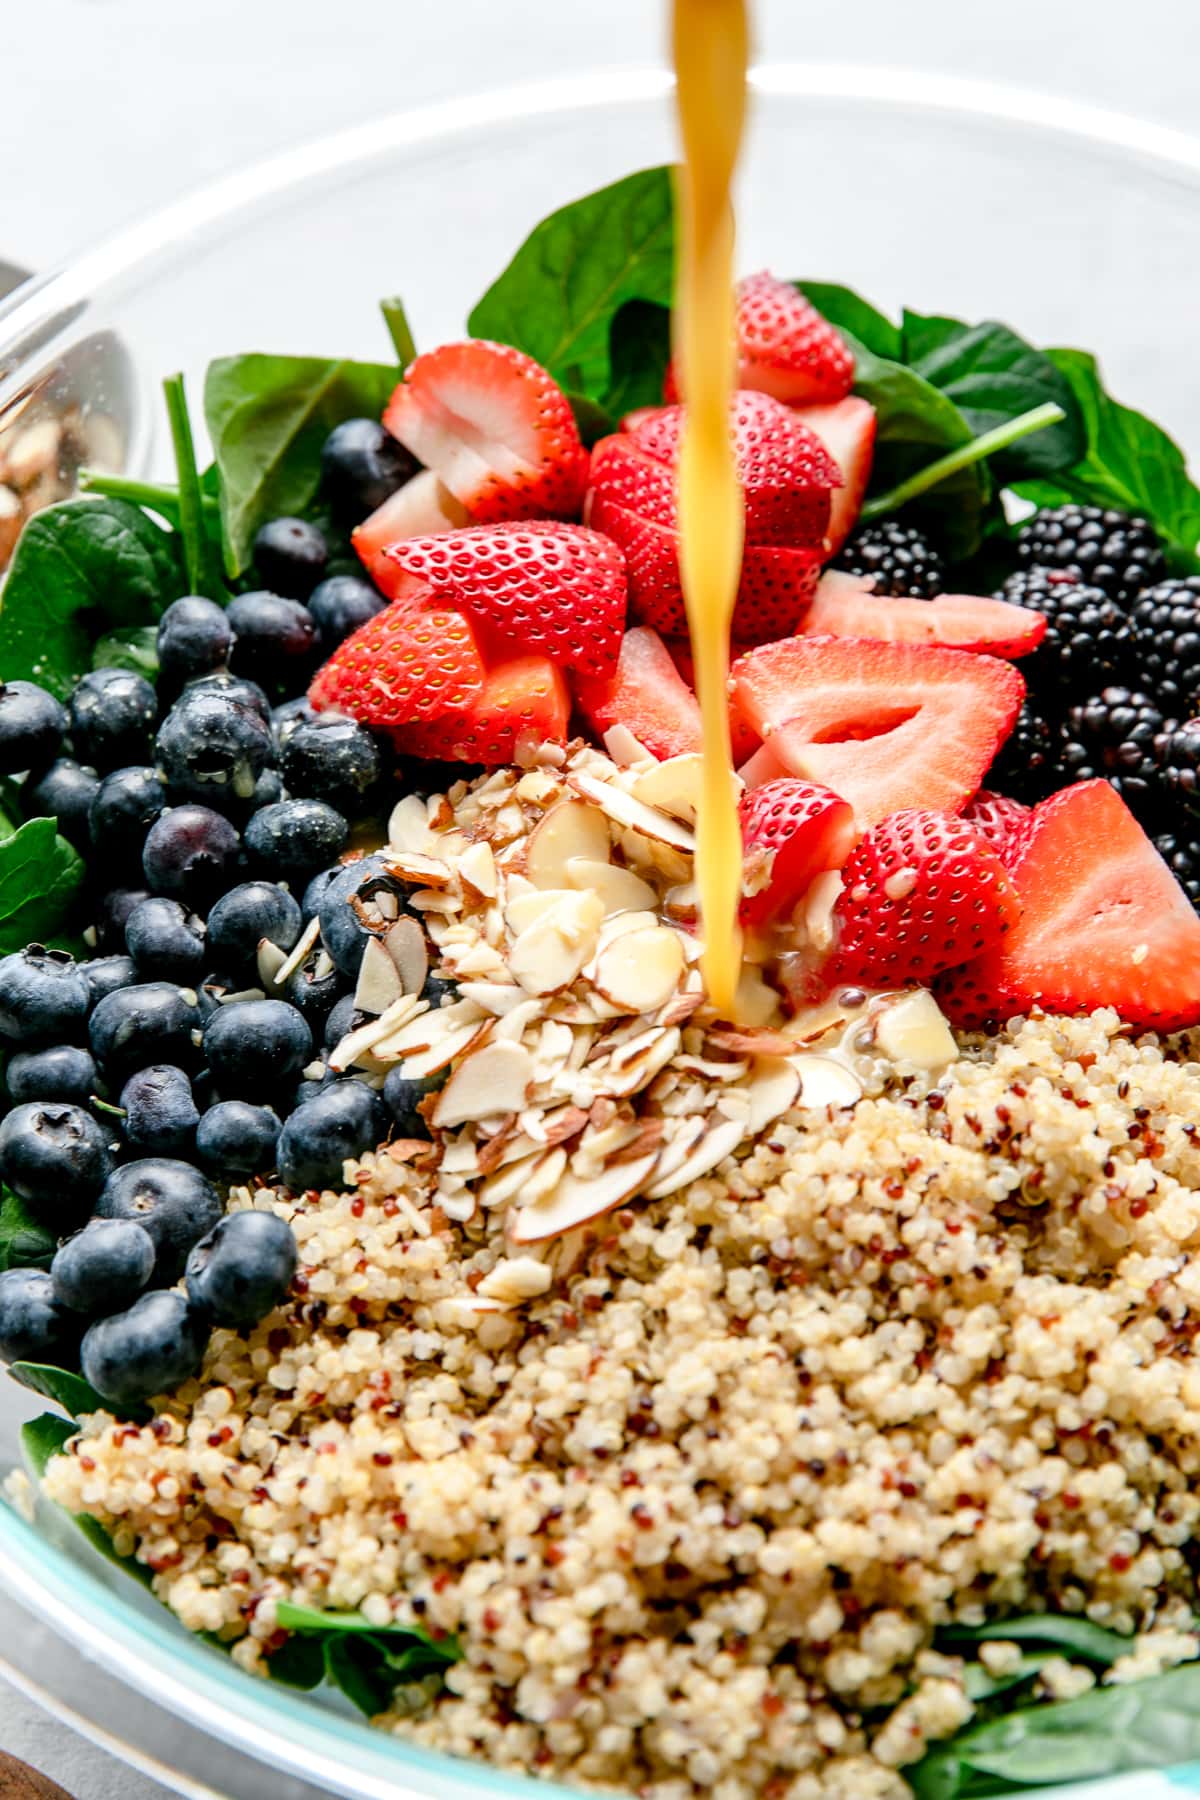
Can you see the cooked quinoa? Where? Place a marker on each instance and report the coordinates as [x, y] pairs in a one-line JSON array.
[[695, 1510]]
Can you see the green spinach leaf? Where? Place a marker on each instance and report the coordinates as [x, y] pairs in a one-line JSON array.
[[559, 296], [639, 351], [40, 874], [368, 1662], [134, 648], [95, 556], [47, 1436], [25, 1243], [851, 313], [268, 417], [1075, 1637], [75, 1395]]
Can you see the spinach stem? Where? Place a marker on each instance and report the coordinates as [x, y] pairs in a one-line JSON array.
[[399, 329], [191, 502], [155, 496], [987, 444]]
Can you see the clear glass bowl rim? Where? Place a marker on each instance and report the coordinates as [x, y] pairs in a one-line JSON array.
[[150, 1651]]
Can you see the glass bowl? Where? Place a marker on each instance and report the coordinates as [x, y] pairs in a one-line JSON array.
[[1073, 225]]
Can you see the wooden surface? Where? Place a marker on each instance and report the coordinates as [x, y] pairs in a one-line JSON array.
[[19, 1782]]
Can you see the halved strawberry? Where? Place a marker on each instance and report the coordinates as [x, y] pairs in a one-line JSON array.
[[524, 702], [625, 474], [647, 694], [784, 346], [1103, 923], [419, 508], [921, 892], [884, 725], [847, 431], [403, 667], [495, 427], [539, 586], [847, 606], [745, 742], [792, 831], [1000, 819]]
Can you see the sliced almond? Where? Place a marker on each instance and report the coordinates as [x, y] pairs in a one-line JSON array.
[[751, 1042], [270, 959], [498, 998], [640, 970], [408, 827], [620, 889], [718, 1142], [357, 1044], [912, 1031], [826, 1082], [494, 1081], [574, 1201], [755, 1003], [299, 952], [773, 1087], [570, 829], [379, 983], [685, 1135], [625, 749], [633, 814], [816, 912], [524, 910], [516, 1278], [405, 944], [418, 869], [437, 1056], [551, 952], [637, 1069], [682, 902], [477, 869], [433, 1025], [673, 786]]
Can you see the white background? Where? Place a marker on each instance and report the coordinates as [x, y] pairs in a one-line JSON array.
[[110, 108]]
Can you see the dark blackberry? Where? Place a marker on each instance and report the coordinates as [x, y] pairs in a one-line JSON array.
[[1167, 621], [1178, 751], [900, 560], [1180, 850], [1089, 641], [1027, 765], [1113, 735], [1119, 552]]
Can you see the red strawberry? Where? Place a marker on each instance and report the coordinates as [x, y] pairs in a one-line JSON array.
[[647, 694], [791, 832], [403, 667], [549, 589], [785, 348], [847, 431], [625, 474], [1103, 923], [884, 725], [496, 429], [419, 508], [847, 606], [524, 703], [922, 892], [745, 741], [1000, 819]]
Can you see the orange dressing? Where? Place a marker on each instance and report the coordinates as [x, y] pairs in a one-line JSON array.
[[711, 45]]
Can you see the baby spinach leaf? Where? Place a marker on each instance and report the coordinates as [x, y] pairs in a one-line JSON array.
[[851, 313], [559, 296], [300, 1663], [75, 1395], [368, 1662], [981, 1685], [40, 875], [46, 1436], [134, 648], [639, 351], [96, 556], [1076, 1637], [268, 417], [25, 1242]]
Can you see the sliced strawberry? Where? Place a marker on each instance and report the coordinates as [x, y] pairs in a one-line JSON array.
[[884, 725], [1000, 819], [403, 667], [550, 589], [419, 508], [1103, 923], [495, 427], [647, 694], [921, 892], [745, 742], [784, 346], [792, 831], [624, 474], [847, 431], [524, 703], [847, 606]]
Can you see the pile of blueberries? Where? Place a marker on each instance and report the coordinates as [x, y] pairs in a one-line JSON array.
[[212, 813]]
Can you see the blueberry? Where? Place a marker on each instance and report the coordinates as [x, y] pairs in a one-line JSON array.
[[344, 1120], [233, 687], [314, 893], [362, 900], [290, 555], [242, 1270], [235, 1139], [103, 1267], [254, 1046], [65, 792], [112, 717], [32, 724], [401, 1096], [44, 997], [171, 1200], [194, 638], [136, 1026], [314, 995], [295, 838], [268, 791], [340, 604], [105, 974], [151, 1349], [276, 639], [287, 715], [438, 991], [190, 852], [309, 1086], [165, 941], [361, 465], [214, 748], [56, 1156], [248, 912], [343, 1018], [125, 806], [334, 759], [64, 1072], [160, 1114], [34, 1326], [113, 916]]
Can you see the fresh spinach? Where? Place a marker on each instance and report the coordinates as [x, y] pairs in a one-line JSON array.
[[367, 1662], [1078, 1638], [134, 648], [75, 1395], [25, 1243], [856, 316], [640, 349], [40, 874], [561, 294], [399, 329], [268, 417], [47, 1436], [76, 562], [203, 573]]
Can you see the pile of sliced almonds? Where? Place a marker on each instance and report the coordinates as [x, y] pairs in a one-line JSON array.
[[582, 1064]]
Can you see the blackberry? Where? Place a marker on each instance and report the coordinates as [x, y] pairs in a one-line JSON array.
[[1027, 765], [1113, 735], [1180, 850], [1119, 552], [900, 560], [1167, 621], [1178, 751], [1089, 641]]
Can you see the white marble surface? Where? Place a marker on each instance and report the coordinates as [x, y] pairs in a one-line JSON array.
[[113, 107]]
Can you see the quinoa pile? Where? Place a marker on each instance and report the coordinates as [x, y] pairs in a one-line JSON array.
[[695, 1511]]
